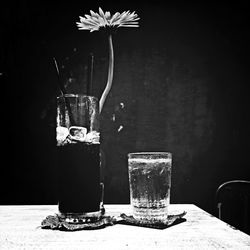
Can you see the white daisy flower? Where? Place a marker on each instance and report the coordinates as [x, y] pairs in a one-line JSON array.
[[95, 21]]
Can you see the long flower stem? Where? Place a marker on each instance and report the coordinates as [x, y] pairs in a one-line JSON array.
[[110, 74]]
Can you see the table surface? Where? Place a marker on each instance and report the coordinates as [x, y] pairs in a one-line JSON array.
[[19, 229]]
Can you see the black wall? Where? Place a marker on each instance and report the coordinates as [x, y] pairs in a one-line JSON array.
[[180, 84]]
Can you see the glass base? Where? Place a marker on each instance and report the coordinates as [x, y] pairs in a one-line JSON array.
[[151, 215], [81, 218]]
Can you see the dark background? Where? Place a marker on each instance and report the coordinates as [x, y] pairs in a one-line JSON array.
[[181, 84]]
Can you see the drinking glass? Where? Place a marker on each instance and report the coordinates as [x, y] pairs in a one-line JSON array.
[[150, 182], [80, 190]]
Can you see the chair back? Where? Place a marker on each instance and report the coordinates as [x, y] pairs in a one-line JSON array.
[[233, 204]]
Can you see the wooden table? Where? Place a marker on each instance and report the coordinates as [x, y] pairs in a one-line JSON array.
[[19, 229]]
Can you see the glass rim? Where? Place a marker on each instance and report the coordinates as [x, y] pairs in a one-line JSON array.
[[153, 153], [77, 95]]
